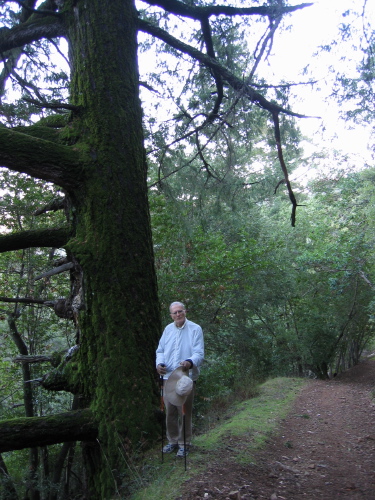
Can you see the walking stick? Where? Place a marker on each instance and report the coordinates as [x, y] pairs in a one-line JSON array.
[[184, 428], [161, 383]]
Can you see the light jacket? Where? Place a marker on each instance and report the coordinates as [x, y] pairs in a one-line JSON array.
[[178, 344]]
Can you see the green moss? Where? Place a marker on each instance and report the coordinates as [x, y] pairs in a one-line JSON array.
[[56, 358], [39, 131], [65, 376], [257, 417], [54, 121], [72, 133]]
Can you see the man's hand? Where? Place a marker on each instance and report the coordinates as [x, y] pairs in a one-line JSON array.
[[161, 369], [186, 365]]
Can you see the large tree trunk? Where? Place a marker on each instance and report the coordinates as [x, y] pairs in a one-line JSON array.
[[120, 324]]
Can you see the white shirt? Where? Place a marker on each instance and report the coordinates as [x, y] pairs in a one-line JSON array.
[[178, 344]]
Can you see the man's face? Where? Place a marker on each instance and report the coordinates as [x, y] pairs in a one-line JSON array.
[[178, 314]]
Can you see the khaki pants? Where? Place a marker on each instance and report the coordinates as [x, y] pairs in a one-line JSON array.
[[174, 421]]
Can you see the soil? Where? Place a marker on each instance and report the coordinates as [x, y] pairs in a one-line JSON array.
[[324, 449]]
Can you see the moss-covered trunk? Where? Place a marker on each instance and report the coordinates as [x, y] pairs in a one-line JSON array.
[[120, 324]]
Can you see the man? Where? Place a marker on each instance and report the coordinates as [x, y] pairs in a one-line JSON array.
[[181, 345]]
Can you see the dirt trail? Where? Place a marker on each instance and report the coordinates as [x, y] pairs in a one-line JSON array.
[[324, 449]]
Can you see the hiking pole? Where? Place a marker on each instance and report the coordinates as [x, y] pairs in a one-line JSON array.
[[161, 383], [184, 428]]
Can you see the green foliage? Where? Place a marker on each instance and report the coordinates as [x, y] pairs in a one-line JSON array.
[[354, 80], [271, 301], [35, 327]]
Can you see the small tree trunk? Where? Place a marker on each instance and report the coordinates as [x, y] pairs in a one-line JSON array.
[[32, 482], [6, 483]]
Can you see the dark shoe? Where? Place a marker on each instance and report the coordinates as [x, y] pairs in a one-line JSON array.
[[170, 447], [182, 452]]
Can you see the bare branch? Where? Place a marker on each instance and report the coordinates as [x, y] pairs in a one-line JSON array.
[[43, 12], [206, 165], [199, 13], [31, 31], [206, 30], [24, 300], [33, 359], [63, 308], [292, 198], [57, 270], [235, 82], [53, 206], [366, 279], [282, 181], [267, 42], [52, 105]]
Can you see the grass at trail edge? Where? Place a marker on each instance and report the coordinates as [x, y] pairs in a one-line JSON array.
[[242, 429]]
